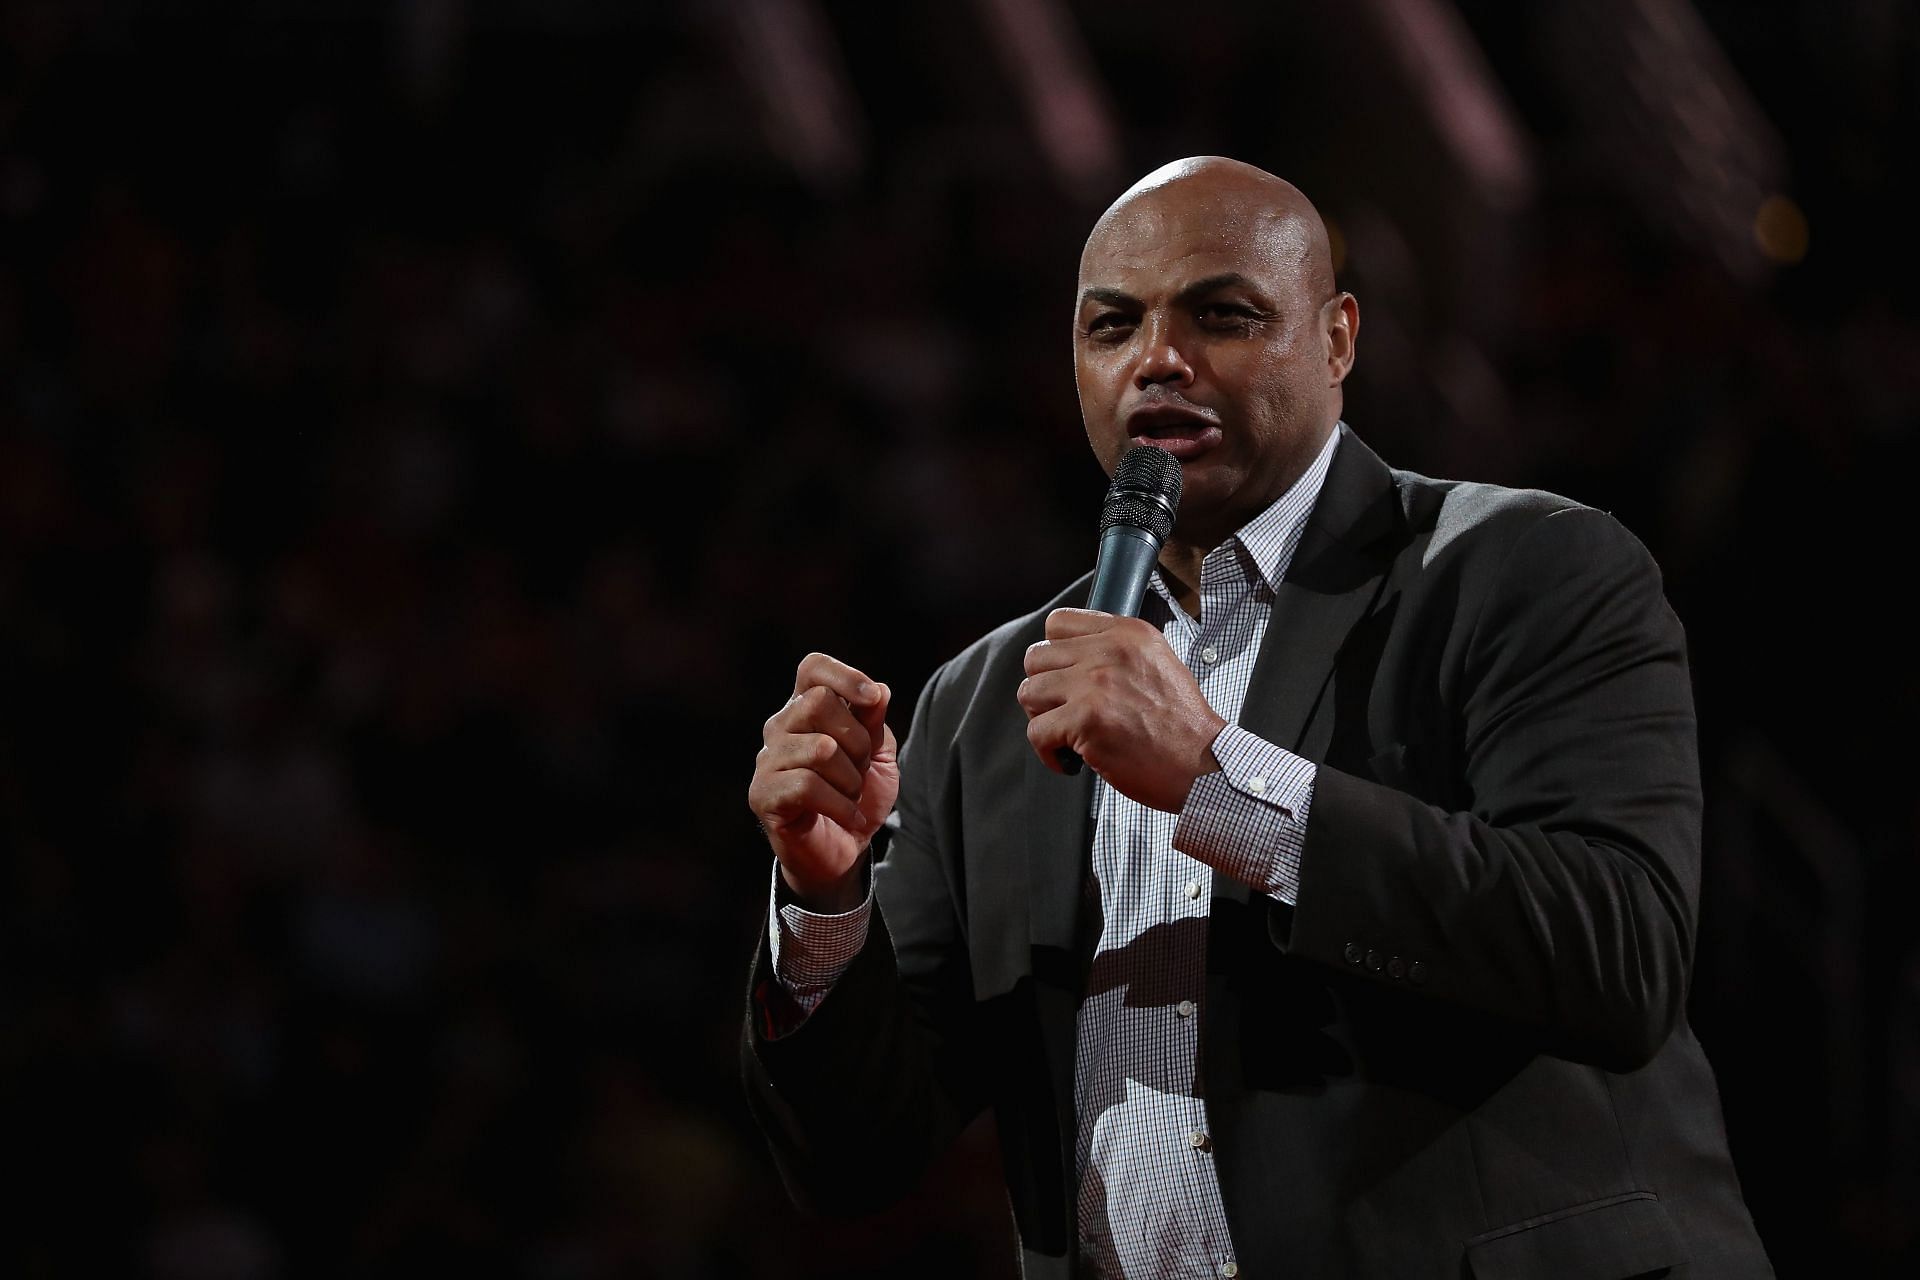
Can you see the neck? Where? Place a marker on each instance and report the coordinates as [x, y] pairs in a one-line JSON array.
[[1180, 570]]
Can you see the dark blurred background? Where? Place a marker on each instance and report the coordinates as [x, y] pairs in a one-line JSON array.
[[431, 432]]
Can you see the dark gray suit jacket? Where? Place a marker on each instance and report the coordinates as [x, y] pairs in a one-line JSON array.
[[1465, 1050]]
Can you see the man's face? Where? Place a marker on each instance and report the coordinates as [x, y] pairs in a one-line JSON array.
[[1197, 331]]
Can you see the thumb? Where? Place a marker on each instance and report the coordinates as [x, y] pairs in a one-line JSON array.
[[886, 757], [882, 783]]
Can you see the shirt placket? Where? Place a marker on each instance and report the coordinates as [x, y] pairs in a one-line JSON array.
[[1206, 657]]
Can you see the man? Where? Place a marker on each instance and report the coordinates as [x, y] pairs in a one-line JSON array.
[[1362, 947]]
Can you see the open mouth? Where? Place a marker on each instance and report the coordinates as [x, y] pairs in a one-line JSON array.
[[1184, 438]]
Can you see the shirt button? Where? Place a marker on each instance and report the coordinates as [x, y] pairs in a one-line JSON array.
[[1198, 1140], [1193, 888], [1209, 655], [1229, 1269], [1257, 785], [1184, 1008]]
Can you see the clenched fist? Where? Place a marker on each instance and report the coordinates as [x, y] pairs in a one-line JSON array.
[[825, 779]]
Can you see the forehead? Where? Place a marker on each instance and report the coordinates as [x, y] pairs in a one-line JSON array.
[[1165, 237]]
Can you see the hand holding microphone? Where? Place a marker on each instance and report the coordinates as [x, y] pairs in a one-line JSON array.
[[1105, 686]]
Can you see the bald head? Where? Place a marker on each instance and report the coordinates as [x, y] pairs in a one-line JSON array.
[[1269, 211], [1207, 323]]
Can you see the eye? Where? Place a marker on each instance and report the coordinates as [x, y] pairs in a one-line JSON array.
[[1108, 326], [1228, 315]]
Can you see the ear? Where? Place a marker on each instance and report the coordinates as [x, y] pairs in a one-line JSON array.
[[1340, 320]]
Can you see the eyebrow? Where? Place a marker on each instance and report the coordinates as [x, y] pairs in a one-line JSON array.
[[1198, 289]]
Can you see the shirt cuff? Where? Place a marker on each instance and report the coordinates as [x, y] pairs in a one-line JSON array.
[[1249, 820], [812, 950]]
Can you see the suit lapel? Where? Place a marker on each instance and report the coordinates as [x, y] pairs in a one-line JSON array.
[[1058, 823], [1335, 577], [1059, 837]]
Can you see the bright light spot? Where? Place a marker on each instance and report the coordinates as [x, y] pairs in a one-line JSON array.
[[1780, 229]]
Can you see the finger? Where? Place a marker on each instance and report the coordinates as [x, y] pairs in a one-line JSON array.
[[816, 753], [1065, 624], [1055, 655], [820, 710], [1047, 733], [873, 724], [788, 803], [888, 756], [850, 683], [1039, 694]]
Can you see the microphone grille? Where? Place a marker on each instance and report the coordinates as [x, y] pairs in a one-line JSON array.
[[1145, 491]]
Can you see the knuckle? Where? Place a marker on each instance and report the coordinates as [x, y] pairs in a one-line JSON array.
[[798, 801]]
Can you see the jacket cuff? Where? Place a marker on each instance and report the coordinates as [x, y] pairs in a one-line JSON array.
[[810, 952]]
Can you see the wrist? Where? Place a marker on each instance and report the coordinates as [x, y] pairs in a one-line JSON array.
[[1204, 761], [830, 897]]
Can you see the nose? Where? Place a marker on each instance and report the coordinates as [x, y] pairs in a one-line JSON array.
[[1160, 358]]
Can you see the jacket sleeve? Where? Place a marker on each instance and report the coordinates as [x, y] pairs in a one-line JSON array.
[[1563, 896], [881, 1076]]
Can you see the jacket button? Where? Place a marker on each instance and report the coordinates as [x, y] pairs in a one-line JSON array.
[[1353, 953], [1374, 961], [1396, 968], [1418, 971]]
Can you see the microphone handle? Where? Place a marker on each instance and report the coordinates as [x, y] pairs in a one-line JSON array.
[[1120, 574]]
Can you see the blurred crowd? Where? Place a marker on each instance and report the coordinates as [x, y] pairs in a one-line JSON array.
[[411, 504]]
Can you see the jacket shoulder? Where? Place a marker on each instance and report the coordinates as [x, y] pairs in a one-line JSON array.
[[1462, 519], [1450, 508]]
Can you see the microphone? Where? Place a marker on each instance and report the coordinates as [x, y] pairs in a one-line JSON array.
[[1134, 522]]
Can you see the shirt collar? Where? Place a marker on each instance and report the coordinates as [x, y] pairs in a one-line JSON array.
[[1262, 548], [1271, 537]]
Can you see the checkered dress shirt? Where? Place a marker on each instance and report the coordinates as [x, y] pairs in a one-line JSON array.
[[1149, 1200]]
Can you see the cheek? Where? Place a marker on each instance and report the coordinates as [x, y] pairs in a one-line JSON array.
[[1289, 374], [1281, 395], [1098, 386], [1097, 408]]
